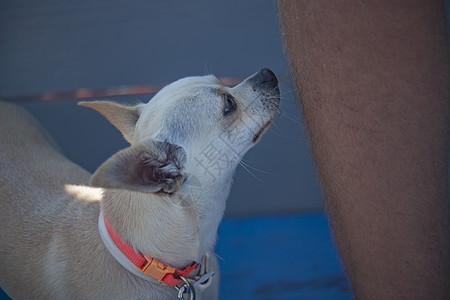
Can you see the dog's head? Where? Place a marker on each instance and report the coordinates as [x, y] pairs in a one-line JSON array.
[[194, 126]]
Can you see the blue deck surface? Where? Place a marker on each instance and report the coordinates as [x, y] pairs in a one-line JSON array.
[[286, 257]]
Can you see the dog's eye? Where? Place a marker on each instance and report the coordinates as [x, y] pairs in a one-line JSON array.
[[230, 104]]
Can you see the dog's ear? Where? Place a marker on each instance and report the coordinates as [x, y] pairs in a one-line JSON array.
[[122, 116], [152, 167]]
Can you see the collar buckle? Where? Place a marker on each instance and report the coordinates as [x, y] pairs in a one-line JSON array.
[[156, 269]]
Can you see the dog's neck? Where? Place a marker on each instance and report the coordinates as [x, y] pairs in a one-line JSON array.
[[173, 229]]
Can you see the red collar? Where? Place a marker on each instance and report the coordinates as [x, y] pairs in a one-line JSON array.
[[148, 265]]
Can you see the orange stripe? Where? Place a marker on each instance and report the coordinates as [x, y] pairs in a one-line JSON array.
[[83, 93]]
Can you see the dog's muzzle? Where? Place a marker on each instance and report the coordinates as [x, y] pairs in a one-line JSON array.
[[266, 83]]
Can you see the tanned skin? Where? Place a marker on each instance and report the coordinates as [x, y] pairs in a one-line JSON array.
[[373, 82]]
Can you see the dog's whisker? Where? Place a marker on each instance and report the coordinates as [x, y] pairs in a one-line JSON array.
[[246, 160], [258, 170], [243, 165], [278, 131], [287, 92], [283, 114], [206, 68], [276, 126], [218, 256]]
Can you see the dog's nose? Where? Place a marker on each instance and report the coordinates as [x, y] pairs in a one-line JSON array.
[[269, 76], [265, 78]]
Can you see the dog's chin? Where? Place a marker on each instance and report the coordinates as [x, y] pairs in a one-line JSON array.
[[274, 105], [259, 134], [266, 126]]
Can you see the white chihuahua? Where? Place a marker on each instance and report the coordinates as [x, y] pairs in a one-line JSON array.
[[147, 223]]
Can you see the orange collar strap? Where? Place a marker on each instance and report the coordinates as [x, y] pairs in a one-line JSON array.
[[148, 265]]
